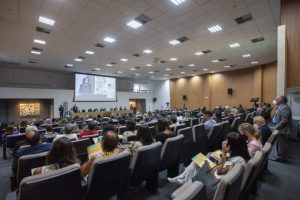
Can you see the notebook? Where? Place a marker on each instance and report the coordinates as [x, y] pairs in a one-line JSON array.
[[212, 158], [94, 149]]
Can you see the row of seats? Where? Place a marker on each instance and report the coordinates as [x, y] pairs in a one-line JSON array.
[[236, 184]]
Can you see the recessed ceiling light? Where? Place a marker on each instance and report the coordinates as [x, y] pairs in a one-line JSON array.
[[108, 65], [124, 59], [46, 21], [134, 24], [97, 69], [36, 52], [151, 72], [148, 65], [254, 62], [234, 45], [109, 39], [246, 55], [227, 66], [70, 65], [177, 2], [192, 65], [168, 69], [39, 41], [174, 42], [215, 28], [166, 74], [173, 59], [215, 61], [182, 72], [89, 52], [212, 72], [78, 59], [132, 68], [119, 72], [199, 53], [147, 51], [137, 74], [205, 69]]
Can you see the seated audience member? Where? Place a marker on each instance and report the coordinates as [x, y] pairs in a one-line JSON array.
[[234, 150], [34, 139], [174, 122], [109, 143], [143, 138], [218, 116], [68, 132], [9, 130], [252, 136], [163, 131], [49, 130], [91, 130], [62, 154], [259, 124], [108, 127], [208, 121], [130, 126], [23, 124], [228, 114]]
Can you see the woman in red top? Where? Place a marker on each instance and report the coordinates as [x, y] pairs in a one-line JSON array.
[[91, 130]]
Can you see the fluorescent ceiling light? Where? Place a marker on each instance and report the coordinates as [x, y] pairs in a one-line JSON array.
[[137, 74], [215, 28], [192, 65], [39, 41], [168, 69], [78, 59], [151, 72], [124, 59], [36, 52], [108, 65], [90, 52], [173, 59], [147, 51], [174, 42], [215, 61], [177, 2], [199, 53], [97, 69], [46, 21], [148, 65], [134, 24], [109, 39], [234, 45], [205, 69], [119, 72], [246, 55], [132, 69], [70, 65], [227, 66], [182, 72], [254, 62]]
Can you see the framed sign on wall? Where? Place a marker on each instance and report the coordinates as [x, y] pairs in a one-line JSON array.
[[29, 109]]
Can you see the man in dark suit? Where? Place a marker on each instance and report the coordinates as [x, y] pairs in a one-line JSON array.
[[282, 121], [61, 112]]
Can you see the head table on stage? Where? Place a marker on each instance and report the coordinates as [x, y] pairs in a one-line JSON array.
[[85, 115]]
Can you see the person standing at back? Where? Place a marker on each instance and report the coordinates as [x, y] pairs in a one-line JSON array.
[[61, 112], [282, 121]]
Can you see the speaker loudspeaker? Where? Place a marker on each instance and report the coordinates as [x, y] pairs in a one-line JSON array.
[[184, 97], [229, 91], [154, 99]]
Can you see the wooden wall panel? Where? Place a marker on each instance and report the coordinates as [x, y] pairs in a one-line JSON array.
[[210, 90], [290, 16]]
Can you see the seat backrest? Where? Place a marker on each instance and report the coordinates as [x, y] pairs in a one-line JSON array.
[[28, 162], [171, 151], [272, 137], [178, 127], [145, 163], [188, 145], [11, 140], [131, 138], [57, 129], [212, 138], [200, 139], [80, 147], [108, 176], [235, 124], [195, 191], [251, 171], [195, 121], [121, 130], [229, 187], [64, 183], [153, 131], [187, 133], [224, 130]]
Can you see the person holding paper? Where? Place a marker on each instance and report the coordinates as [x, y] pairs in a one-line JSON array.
[[234, 150]]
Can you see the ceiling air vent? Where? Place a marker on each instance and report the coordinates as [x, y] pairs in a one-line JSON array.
[[243, 18], [37, 49], [162, 61], [100, 45], [255, 40], [137, 55], [206, 51], [113, 63], [182, 39], [43, 30], [143, 19], [222, 59], [82, 57], [137, 67], [181, 66], [32, 62], [156, 71]]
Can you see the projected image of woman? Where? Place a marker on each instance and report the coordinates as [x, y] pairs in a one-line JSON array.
[[85, 87]]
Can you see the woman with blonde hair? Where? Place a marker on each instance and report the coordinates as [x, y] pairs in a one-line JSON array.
[[253, 138]]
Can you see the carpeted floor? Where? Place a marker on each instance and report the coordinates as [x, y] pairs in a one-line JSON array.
[[280, 182]]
